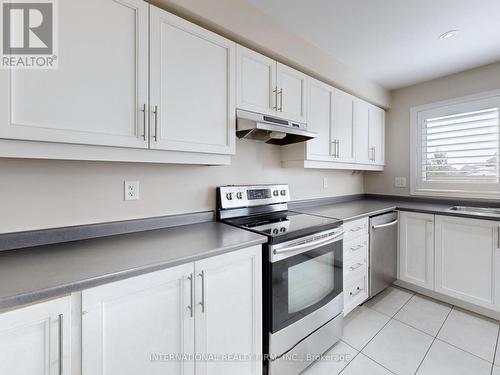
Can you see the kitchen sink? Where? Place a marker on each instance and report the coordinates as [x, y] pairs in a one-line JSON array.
[[482, 211]]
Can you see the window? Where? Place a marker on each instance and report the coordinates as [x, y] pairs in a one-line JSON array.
[[455, 147]]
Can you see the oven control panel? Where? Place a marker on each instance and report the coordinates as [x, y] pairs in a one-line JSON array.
[[256, 195]]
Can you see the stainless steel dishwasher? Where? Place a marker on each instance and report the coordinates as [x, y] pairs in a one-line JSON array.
[[383, 251]]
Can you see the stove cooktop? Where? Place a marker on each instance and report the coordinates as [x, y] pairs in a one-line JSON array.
[[285, 225]]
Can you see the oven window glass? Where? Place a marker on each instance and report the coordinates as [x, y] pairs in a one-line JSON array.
[[310, 282], [300, 284]]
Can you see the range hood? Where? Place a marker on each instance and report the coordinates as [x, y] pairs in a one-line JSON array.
[[270, 129]]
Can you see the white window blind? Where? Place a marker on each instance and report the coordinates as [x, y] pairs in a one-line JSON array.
[[462, 147], [455, 147]]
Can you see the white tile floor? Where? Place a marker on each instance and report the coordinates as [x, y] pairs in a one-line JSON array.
[[401, 333]]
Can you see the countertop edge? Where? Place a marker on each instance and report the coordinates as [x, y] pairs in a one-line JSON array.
[[38, 296]]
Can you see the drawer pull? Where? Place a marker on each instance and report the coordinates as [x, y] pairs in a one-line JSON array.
[[356, 229], [356, 266], [356, 248], [358, 290]]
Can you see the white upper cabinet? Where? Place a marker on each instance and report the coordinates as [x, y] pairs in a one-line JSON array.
[[36, 340], [192, 87], [124, 324], [468, 260], [256, 81], [376, 135], [416, 249], [320, 120], [361, 124], [350, 132], [292, 93], [343, 127], [98, 93], [268, 87]]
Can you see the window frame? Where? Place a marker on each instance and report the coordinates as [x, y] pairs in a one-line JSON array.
[[442, 108]]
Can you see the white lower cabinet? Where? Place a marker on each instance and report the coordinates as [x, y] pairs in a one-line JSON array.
[[127, 323], [468, 260], [454, 256], [356, 247], [150, 324], [229, 313], [416, 249], [35, 340]]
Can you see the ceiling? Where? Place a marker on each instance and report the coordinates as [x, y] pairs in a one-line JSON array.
[[396, 42]]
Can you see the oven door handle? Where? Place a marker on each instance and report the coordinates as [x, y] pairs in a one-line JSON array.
[[309, 245]]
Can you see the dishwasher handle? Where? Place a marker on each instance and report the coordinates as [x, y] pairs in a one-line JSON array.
[[385, 225]]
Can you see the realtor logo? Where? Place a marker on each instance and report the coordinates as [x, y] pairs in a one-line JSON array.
[[29, 34]]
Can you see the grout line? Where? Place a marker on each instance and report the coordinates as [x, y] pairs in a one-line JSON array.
[[371, 359], [434, 340], [496, 351], [390, 318]]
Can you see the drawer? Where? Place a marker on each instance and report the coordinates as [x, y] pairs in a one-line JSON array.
[[355, 293], [355, 228], [354, 267], [356, 246]]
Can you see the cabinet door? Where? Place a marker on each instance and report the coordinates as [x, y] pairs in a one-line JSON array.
[[97, 93], [320, 120], [192, 87], [416, 249], [466, 258], [229, 312], [33, 338], [128, 326], [376, 135], [292, 93], [256, 81], [361, 125], [343, 126]]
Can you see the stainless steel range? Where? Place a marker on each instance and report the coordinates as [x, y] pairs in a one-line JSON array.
[[302, 270]]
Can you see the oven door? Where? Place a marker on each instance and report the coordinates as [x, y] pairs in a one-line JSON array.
[[305, 277]]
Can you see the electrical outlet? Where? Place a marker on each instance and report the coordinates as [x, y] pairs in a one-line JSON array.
[[325, 183], [131, 190], [400, 182]]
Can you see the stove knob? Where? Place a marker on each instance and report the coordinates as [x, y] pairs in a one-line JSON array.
[[283, 192], [283, 229], [276, 193], [239, 195], [229, 196], [275, 231]]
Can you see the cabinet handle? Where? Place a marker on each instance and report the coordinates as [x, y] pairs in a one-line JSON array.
[[356, 229], [61, 343], [191, 302], [202, 303], [355, 267], [358, 290], [155, 112], [498, 237], [281, 100], [356, 248], [144, 120], [275, 92]]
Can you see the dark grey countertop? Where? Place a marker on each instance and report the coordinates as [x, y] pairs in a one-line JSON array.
[[33, 274], [359, 208]]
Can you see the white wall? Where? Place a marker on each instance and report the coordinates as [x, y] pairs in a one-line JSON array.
[[398, 120], [247, 25], [39, 194]]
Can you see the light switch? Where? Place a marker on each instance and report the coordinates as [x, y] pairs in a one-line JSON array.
[[400, 182]]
